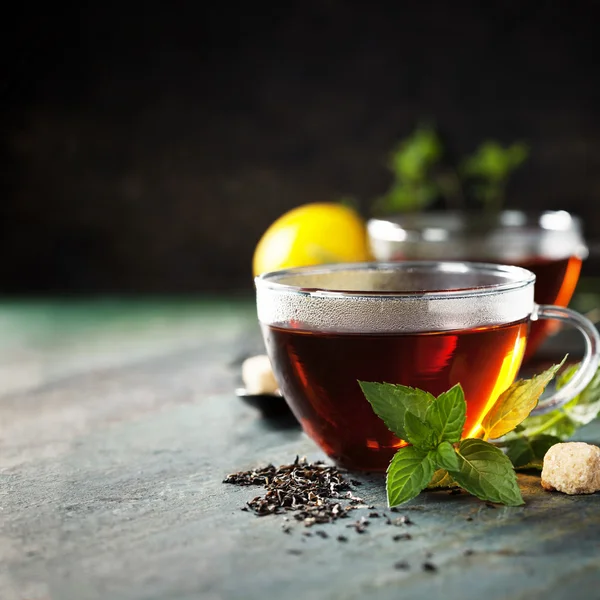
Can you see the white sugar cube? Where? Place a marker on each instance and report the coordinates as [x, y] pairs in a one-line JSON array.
[[258, 376]]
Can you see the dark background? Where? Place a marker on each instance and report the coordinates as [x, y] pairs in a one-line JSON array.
[[145, 148]]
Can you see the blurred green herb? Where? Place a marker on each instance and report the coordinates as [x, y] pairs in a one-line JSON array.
[[489, 169], [412, 161], [422, 174]]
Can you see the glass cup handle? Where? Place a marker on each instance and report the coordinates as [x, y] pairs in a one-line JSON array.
[[587, 367]]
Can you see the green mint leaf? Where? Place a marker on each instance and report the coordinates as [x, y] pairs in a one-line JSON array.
[[487, 473], [408, 474], [526, 452], [391, 402], [519, 451], [584, 408], [441, 479], [447, 414], [515, 404], [556, 423], [445, 457], [419, 433]]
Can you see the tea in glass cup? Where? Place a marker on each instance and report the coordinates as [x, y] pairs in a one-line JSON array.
[[550, 244], [428, 325]]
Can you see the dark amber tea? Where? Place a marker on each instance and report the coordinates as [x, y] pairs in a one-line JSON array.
[[319, 373], [555, 283], [427, 325]]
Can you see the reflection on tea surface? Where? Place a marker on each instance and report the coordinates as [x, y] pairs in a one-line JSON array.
[[318, 372]]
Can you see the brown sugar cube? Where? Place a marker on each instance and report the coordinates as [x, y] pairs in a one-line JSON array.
[[572, 468]]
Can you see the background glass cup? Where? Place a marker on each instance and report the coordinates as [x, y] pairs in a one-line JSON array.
[[550, 244], [429, 325]]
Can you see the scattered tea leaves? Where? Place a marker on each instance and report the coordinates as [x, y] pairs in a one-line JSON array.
[[359, 526], [312, 491]]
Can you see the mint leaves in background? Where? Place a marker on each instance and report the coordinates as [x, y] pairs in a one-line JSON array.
[[437, 457], [423, 173]]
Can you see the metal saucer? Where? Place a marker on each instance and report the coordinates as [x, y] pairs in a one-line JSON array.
[[270, 405]]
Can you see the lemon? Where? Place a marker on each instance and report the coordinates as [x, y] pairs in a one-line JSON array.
[[312, 234]]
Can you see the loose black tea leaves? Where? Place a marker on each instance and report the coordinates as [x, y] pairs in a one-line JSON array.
[[313, 494], [313, 491]]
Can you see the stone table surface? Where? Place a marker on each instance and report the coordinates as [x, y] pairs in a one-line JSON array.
[[118, 422]]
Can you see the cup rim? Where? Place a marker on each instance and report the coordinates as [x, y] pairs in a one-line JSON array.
[[441, 228], [460, 224], [545, 220], [520, 278]]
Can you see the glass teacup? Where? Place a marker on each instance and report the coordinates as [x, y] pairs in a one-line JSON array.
[[550, 244], [428, 325]]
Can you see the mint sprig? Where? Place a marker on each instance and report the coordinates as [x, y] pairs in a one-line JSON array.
[[436, 456], [433, 429]]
